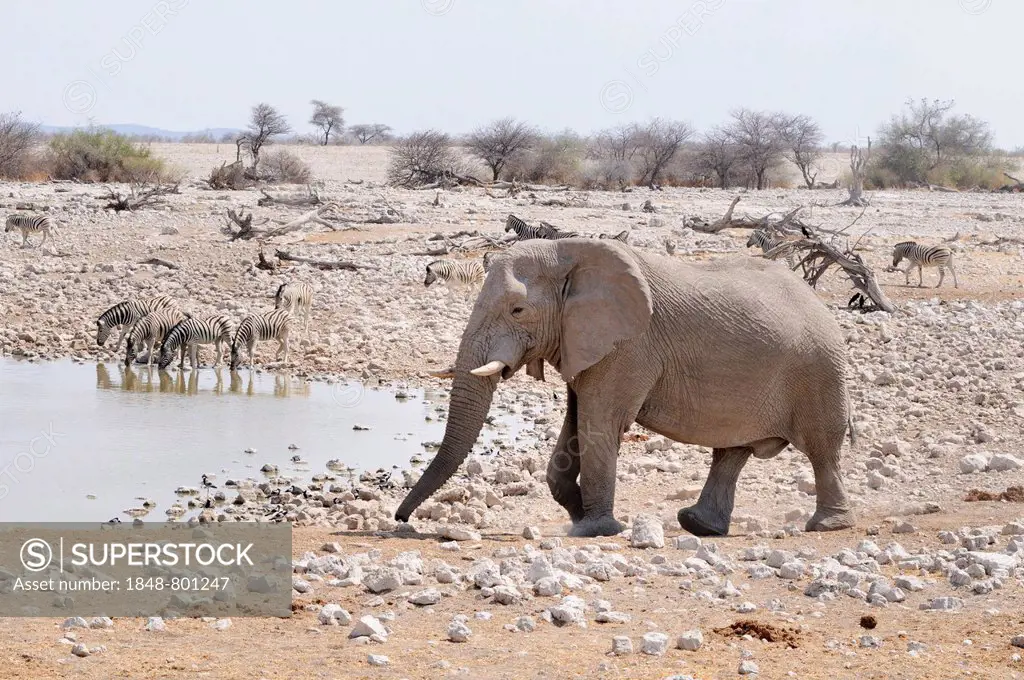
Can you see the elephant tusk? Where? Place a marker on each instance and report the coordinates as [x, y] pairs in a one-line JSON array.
[[490, 368], [446, 373]]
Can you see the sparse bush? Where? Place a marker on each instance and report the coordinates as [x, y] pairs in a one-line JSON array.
[[229, 176], [99, 155], [283, 167], [760, 143], [422, 158], [17, 143], [199, 138], [608, 174], [328, 120], [552, 160]]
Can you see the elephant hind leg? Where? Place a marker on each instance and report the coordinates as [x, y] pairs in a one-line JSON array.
[[711, 514], [832, 507]]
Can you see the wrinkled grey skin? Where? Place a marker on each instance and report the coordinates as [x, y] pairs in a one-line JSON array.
[[736, 355]]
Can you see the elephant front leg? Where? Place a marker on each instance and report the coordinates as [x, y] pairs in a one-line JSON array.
[[564, 466], [599, 440], [713, 511]]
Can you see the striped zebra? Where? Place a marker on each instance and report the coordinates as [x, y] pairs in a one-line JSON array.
[[295, 297], [621, 236], [30, 224], [921, 256], [189, 333], [150, 330], [766, 242], [273, 325], [524, 231], [126, 314], [455, 273]]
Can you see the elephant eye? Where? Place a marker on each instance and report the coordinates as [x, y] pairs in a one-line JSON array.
[[516, 311]]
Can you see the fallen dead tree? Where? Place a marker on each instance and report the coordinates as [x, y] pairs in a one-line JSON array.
[[157, 262], [321, 264], [729, 221], [310, 198], [320, 215], [1017, 186], [139, 196]]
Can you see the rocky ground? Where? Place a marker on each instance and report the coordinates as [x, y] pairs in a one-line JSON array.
[[936, 389]]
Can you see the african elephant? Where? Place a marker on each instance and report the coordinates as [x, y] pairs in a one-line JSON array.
[[737, 354]]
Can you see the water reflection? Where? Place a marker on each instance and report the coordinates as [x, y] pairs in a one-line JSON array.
[[152, 379]]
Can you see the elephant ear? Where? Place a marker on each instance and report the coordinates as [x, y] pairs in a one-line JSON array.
[[606, 300]]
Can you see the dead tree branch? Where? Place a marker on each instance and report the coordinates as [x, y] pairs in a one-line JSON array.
[[156, 261], [321, 264], [244, 224]]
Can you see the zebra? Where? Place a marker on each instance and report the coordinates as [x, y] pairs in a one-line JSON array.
[[455, 272], [30, 224], [621, 236], [524, 231], [150, 330], [921, 256], [273, 325], [765, 241], [126, 314], [295, 297], [192, 332]]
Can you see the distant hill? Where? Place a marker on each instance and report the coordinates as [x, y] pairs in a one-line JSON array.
[[146, 131]]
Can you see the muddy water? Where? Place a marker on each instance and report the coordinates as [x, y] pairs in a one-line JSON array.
[[83, 441]]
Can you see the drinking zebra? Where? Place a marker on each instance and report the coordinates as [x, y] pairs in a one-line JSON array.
[[273, 325], [126, 314], [150, 330], [189, 333], [524, 231], [766, 242], [30, 224], [455, 272], [295, 297], [921, 256]]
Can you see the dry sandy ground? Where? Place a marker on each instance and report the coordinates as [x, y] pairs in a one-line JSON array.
[[382, 325]]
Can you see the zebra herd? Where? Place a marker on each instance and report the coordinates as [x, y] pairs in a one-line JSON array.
[[158, 321]]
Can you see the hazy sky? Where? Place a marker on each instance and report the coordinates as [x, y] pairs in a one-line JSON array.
[[454, 64]]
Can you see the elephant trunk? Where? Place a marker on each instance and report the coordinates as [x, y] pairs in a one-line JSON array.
[[470, 401]]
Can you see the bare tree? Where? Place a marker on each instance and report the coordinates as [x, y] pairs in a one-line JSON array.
[[421, 158], [716, 155], [756, 134], [327, 120], [265, 122], [499, 142], [925, 136], [368, 132], [803, 139], [619, 143], [17, 138], [858, 170], [658, 142]]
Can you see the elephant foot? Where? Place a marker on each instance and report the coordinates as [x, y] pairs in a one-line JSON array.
[[699, 523], [605, 525], [830, 520]]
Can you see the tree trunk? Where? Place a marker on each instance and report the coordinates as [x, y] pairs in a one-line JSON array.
[[467, 408]]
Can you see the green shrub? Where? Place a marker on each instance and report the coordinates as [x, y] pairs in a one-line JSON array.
[[98, 155]]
